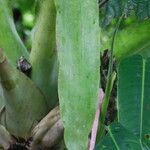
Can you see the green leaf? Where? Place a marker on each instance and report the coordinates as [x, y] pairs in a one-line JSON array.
[[146, 51], [115, 8], [119, 138], [78, 53], [142, 8], [129, 40], [105, 103], [24, 5], [43, 54], [133, 96], [112, 10], [133, 132], [9, 39], [25, 105]]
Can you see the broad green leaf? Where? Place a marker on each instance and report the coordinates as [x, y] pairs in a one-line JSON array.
[[132, 40], [129, 40], [78, 52], [146, 51], [43, 54], [133, 96], [133, 103], [9, 39], [119, 138], [24, 104]]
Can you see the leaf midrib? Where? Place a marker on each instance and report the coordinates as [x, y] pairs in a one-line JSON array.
[[113, 138], [142, 99]]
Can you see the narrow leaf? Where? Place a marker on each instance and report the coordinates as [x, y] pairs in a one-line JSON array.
[[9, 39], [43, 54]]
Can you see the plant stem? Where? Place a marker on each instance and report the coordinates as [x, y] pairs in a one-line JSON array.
[[110, 80]]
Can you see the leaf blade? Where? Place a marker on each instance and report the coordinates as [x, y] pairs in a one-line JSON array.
[[45, 72], [131, 70], [9, 38], [77, 43], [119, 138]]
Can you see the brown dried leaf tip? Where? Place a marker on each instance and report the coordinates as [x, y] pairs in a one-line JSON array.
[[24, 66]]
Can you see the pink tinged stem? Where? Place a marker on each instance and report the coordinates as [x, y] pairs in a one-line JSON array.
[[96, 121]]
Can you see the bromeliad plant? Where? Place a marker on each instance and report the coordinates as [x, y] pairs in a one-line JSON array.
[[49, 96], [26, 100]]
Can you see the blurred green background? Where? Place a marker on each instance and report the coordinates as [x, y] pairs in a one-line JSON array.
[[24, 17]]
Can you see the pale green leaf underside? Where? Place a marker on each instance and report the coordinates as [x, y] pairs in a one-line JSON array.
[[78, 53]]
